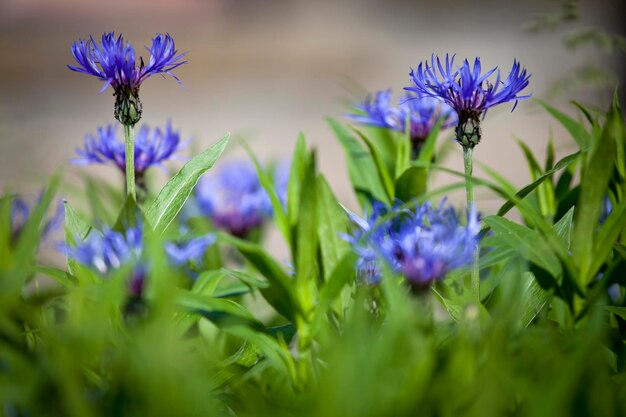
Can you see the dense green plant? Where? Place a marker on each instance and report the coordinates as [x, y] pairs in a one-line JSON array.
[[240, 332]]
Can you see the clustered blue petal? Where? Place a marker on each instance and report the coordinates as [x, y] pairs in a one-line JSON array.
[[114, 60], [192, 250], [422, 244], [107, 251], [464, 88], [152, 147], [422, 111], [234, 199], [369, 264]]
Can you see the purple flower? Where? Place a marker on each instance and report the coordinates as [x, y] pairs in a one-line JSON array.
[[107, 251], [423, 244], [152, 148], [377, 111], [423, 113], [234, 199], [468, 91], [114, 62], [369, 264], [192, 250]]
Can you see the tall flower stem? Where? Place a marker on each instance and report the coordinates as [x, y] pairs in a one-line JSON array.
[[468, 164], [129, 134]]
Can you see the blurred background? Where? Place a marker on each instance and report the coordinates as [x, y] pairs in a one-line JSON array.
[[267, 70]]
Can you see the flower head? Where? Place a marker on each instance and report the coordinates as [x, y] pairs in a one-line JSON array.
[[467, 91], [423, 244], [152, 147], [108, 251], [192, 250], [234, 198], [369, 263], [422, 112], [114, 62]]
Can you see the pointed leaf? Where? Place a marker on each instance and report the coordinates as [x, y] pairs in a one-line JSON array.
[[172, 197]]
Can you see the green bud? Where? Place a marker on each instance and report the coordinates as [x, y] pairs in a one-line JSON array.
[[468, 132], [127, 106]]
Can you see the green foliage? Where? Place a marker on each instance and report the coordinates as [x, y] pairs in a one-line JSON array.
[[244, 333]]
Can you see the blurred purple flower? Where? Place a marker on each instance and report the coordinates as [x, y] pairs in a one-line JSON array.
[[369, 264], [107, 251], [114, 62], [234, 199], [423, 113], [192, 250], [152, 148], [422, 244], [468, 91]]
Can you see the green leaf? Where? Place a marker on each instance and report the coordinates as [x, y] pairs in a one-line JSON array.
[[60, 276], [278, 211], [75, 225], [343, 273], [383, 173], [332, 222], [299, 162], [361, 167], [222, 312], [403, 152], [427, 150], [130, 215], [279, 294], [535, 296], [411, 184], [307, 240], [5, 232], [535, 299], [563, 227], [575, 128], [618, 311], [606, 238], [593, 189], [566, 161], [170, 200], [530, 243]]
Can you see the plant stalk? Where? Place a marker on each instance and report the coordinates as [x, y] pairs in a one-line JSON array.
[[469, 191], [129, 134]]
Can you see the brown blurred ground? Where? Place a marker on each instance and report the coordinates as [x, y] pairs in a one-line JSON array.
[[264, 70]]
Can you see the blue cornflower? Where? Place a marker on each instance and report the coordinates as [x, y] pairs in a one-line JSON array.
[[422, 244], [378, 111], [114, 62], [423, 113], [192, 250], [152, 148], [468, 91], [108, 251], [234, 199], [369, 264]]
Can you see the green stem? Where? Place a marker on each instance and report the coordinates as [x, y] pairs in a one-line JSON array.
[[129, 133], [469, 190]]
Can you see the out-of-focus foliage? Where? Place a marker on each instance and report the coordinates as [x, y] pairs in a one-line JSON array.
[[252, 335]]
